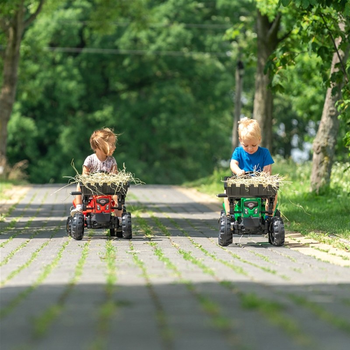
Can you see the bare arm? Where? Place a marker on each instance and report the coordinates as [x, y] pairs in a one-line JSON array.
[[235, 168], [114, 169], [267, 169], [86, 170]]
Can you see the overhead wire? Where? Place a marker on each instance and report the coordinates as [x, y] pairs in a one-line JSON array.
[[90, 50], [157, 25]]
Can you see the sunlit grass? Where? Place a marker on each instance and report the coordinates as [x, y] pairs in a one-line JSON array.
[[7, 185]]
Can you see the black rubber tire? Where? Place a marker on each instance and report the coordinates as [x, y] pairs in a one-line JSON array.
[[119, 230], [225, 234], [68, 225], [277, 233], [126, 226], [116, 231], [77, 226]]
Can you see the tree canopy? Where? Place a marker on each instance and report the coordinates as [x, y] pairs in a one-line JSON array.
[[161, 74]]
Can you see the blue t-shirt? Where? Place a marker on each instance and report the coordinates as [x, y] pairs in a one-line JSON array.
[[252, 162]]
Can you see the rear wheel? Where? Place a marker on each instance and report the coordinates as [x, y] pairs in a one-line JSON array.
[[68, 225], [77, 226], [276, 233], [126, 226], [225, 235]]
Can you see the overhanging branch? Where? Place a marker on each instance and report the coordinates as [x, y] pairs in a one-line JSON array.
[[275, 25], [341, 61], [34, 15]]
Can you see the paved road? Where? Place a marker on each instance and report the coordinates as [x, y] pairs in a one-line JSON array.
[[170, 287]]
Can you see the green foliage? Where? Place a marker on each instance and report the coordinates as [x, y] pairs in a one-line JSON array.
[[317, 25], [22, 134], [161, 73], [169, 109]]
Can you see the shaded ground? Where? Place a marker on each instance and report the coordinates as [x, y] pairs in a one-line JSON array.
[[170, 287]]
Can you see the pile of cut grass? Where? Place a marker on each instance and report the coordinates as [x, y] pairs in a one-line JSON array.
[[95, 182], [255, 179]]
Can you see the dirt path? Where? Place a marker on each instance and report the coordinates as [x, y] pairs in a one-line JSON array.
[[170, 287]]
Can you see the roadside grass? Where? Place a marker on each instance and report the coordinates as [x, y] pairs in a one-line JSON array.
[[6, 185], [323, 215]]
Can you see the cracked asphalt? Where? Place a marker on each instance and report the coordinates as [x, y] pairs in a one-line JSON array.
[[170, 287]]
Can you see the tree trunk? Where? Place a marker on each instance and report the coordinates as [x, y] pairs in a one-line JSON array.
[[10, 69], [263, 99], [326, 137], [13, 30], [238, 103]]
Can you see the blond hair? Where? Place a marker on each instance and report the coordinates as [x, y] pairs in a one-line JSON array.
[[103, 139], [249, 129]]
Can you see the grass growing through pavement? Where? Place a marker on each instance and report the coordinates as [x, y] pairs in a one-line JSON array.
[[273, 310], [339, 322], [108, 309], [43, 322], [40, 279], [165, 330], [211, 307], [305, 212]]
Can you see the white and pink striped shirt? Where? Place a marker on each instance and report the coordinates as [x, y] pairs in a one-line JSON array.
[[95, 165]]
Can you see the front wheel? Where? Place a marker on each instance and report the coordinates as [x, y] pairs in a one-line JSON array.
[[225, 235], [276, 232], [77, 226]]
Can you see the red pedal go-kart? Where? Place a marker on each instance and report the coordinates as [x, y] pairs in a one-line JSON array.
[[98, 207]]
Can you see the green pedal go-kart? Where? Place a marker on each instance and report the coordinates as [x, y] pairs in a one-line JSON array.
[[248, 214]]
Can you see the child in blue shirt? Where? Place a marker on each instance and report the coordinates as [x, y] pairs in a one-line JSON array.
[[250, 156]]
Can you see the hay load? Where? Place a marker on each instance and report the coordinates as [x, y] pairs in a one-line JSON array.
[[105, 183], [257, 184]]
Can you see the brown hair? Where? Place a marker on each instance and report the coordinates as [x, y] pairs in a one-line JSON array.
[[103, 139]]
